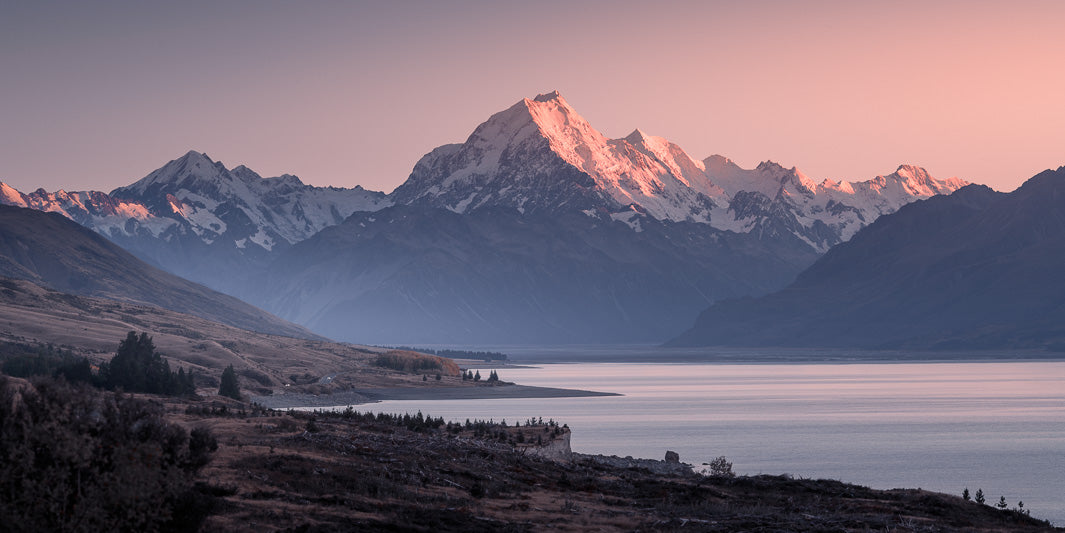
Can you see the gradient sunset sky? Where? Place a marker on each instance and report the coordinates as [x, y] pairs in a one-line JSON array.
[[98, 94]]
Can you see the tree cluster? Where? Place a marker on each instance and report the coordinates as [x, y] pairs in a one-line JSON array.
[[23, 361], [408, 362], [455, 354], [73, 458], [137, 367], [470, 375]]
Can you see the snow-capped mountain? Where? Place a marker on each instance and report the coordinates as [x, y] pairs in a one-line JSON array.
[[536, 229], [541, 155], [198, 219]]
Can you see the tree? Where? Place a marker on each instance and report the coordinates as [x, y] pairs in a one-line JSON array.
[[721, 467], [965, 494], [1002, 503], [229, 386], [137, 367], [980, 496], [477, 376]]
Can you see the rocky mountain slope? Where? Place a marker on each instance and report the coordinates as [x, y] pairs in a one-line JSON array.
[[974, 270], [50, 250]]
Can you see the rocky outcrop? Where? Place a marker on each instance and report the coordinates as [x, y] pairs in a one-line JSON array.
[[654, 466], [555, 449]]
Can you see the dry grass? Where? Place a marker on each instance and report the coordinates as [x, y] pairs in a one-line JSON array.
[[93, 327]]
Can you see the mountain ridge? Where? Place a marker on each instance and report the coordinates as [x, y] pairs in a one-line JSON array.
[[541, 155], [976, 269], [53, 251], [538, 162]]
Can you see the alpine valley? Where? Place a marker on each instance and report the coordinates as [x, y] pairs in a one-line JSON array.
[[537, 229]]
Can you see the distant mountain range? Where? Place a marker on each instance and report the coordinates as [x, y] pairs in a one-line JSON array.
[[537, 229], [974, 270], [197, 219], [54, 252]]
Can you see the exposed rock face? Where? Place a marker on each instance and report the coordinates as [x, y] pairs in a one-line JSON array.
[[672, 456], [557, 449]]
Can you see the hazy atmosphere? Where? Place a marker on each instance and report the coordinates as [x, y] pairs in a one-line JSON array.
[[99, 94], [602, 266]]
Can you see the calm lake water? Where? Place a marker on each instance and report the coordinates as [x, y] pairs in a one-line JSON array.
[[937, 426]]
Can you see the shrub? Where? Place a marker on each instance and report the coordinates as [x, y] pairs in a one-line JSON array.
[[721, 467]]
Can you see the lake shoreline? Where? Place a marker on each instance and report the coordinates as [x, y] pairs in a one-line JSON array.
[[362, 396]]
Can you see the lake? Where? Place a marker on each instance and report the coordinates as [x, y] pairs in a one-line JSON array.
[[999, 426]]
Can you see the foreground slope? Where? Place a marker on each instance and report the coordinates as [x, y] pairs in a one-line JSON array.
[[32, 316], [51, 250], [973, 270], [365, 473]]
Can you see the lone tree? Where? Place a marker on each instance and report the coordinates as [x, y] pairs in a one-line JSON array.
[[229, 387]]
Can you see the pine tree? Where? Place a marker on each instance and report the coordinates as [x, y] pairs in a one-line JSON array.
[[229, 386], [965, 494], [980, 496], [137, 367]]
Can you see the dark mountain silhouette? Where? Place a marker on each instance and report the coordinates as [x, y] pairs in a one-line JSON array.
[[53, 251], [976, 269], [495, 275]]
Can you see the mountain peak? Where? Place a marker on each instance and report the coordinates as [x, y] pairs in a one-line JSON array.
[[637, 136], [912, 171], [547, 97]]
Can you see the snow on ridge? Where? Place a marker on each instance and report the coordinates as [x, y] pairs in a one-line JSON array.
[[520, 152], [197, 193], [10, 196]]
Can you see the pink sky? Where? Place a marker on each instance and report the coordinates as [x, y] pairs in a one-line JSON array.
[[96, 95]]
